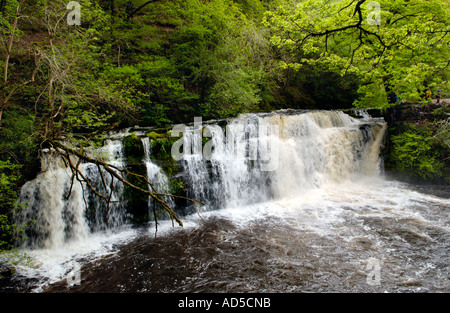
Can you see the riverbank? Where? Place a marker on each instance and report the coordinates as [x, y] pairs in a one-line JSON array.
[[418, 142]]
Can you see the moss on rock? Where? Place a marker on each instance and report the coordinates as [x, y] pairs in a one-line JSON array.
[[154, 135], [133, 147], [162, 148]]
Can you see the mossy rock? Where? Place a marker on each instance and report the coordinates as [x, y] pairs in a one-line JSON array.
[[133, 147], [136, 201], [171, 168], [351, 113], [415, 153], [154, 135], [176, 186], [162, 148]]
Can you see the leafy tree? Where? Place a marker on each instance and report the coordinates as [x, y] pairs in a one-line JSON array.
[[222, 55], [9, 180], [405, 52], [415, 152], [164, 61]]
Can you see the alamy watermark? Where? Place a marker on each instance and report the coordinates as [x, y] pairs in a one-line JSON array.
[[254, 142], [74, 16], [373, 269], [374, 16], [74, 276]]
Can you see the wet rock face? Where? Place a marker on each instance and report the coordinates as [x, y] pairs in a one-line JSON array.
[[417, 113], [137, 203], [421, 131], [133, 147]]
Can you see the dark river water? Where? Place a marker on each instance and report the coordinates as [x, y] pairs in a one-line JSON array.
[[371, 235]]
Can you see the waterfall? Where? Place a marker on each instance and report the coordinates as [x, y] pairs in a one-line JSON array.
[[61, 209], [309, 149], [155, 174], [254, 158], [48, 208]]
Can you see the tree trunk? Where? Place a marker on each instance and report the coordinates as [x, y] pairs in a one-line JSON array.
[[112, 7], [9, 46]]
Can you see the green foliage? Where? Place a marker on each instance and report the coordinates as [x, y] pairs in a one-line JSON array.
[[413, 153], [7, 230], [10, 178], [162, 148], [405, 53], [17, 140], [176, 186], [79, 119], [164, 63], [214, 58]]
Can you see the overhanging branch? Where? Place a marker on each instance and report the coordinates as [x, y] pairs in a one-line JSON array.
[[130, 15], [114, 171]]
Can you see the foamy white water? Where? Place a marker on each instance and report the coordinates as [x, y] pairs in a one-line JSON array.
[[325, 208], [50, 265]]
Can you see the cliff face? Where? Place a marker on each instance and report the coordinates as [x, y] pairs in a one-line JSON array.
[[418, 113], [418, 142]]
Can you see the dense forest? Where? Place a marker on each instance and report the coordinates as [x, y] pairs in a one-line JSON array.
[[161, 62]]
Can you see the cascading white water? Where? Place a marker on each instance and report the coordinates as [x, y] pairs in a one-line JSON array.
[[305, 209], [61, 209], [54, 217], [308, 150], [155, 175]]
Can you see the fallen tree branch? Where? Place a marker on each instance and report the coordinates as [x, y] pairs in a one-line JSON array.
[[114, 171]]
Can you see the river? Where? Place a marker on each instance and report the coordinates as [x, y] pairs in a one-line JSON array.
[[333, 223]]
